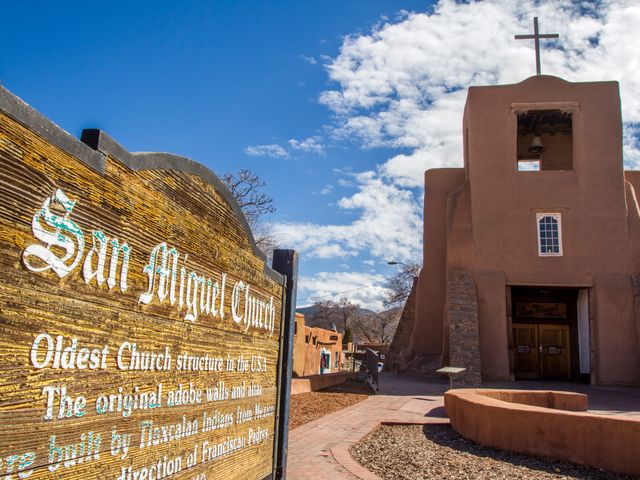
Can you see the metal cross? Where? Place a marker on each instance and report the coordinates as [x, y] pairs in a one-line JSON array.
[[536, 36]]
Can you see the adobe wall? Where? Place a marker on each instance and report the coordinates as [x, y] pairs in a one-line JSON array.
[[492, 312], [633, 177], [313, 383], [427, 336], [399, 354], [574, 402], [615, 335], [632, 184], [299, 350], [308, 342], [632, 190], [536, 426]]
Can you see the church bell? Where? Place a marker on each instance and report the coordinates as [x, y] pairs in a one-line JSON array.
[[536, 145]]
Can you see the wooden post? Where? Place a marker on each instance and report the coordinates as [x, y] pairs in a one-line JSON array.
[[286, 263], [353, 356]]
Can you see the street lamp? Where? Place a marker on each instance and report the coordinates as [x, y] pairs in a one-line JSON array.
[[398, 263], [413, 269]]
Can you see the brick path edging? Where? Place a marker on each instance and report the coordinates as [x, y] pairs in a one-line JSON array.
[[341, 455]]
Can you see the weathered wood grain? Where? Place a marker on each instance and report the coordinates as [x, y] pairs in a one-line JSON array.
[[143, 209]]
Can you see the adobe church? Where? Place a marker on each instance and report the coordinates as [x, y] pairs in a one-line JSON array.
[[532, 249]]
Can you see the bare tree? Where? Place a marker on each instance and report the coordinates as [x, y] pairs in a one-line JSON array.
[[246, 188], [386, 323], [346, 312], [340, 314], [324, 315], [365, 325], [399, 285], [379, 327]]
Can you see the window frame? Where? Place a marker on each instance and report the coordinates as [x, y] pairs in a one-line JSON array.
[[558, 217], [528, 160]]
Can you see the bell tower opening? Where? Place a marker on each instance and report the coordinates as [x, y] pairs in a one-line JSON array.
[[545, 140]]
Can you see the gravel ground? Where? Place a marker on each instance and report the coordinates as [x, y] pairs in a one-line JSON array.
[[306, 407], [418, 452]]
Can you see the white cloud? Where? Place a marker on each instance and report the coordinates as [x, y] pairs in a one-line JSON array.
[[403, 85], [273, 150], [343, 182], [388, 225], [326, 190], [308, 145], [331, 250], [309, 59], [364, 289], [631, 145]]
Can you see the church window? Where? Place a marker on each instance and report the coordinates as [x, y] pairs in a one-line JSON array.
[[545, 140], [549, 234], [529, 165]]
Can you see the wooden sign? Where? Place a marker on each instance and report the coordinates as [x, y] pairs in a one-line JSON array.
[[139, 328]]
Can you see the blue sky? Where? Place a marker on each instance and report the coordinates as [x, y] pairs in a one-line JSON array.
[[339, 106]]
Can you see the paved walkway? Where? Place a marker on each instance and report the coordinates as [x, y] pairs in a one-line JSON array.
[[319, 449]]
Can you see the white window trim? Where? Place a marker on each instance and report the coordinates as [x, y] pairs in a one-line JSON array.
[[527, 160], [557, 216]]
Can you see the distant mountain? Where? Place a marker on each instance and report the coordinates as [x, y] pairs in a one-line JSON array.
[[312, 311]]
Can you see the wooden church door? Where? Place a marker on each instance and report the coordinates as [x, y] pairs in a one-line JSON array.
[[525, 337], [541, 351], [555, 360]]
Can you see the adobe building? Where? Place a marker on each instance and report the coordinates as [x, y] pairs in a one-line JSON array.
[[532, 249], [315, 350]]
